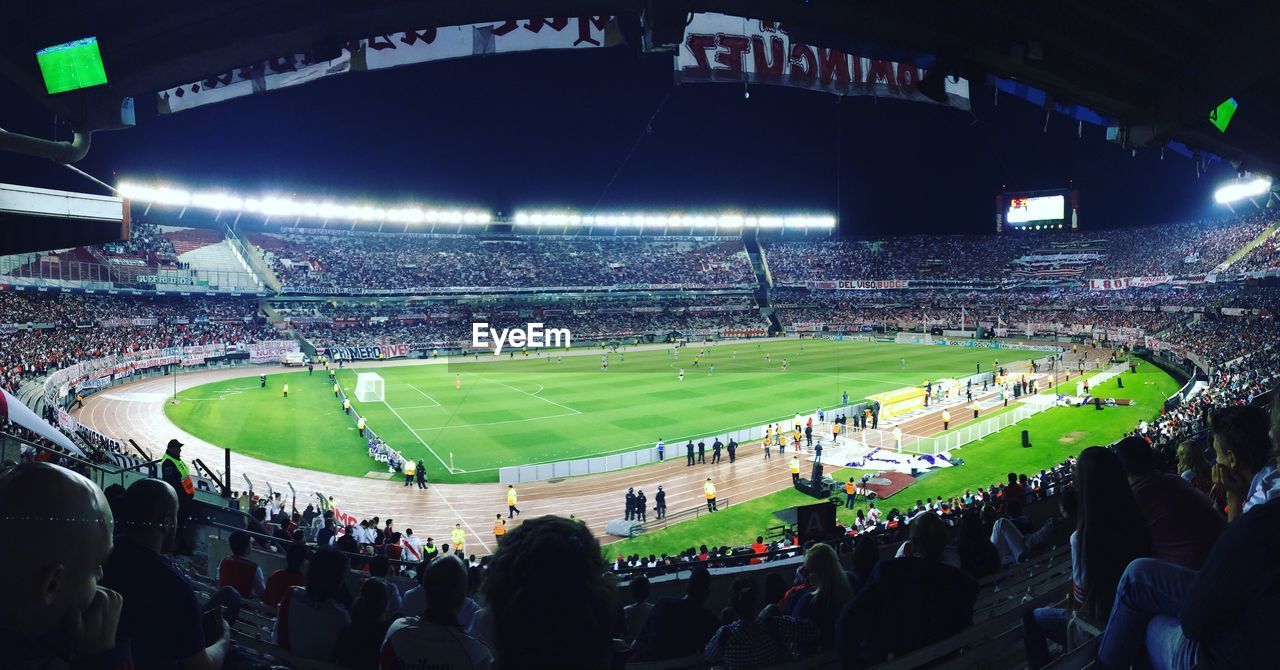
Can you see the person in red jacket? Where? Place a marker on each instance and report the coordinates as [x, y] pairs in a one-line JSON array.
[[240, 573]]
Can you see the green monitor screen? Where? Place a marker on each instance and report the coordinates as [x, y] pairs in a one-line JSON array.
[[1221, 115], [71, 66]]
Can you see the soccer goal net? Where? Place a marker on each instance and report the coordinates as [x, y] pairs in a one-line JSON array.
[[370, 387], [913, 338]]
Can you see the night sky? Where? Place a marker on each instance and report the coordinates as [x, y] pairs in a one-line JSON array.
[[550, 128]]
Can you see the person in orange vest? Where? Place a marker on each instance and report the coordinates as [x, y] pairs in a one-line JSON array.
[[457, 381], [499, 527], [850, 491]]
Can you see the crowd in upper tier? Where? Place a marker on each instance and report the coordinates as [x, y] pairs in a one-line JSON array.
[[310, 262], [1177, 249]]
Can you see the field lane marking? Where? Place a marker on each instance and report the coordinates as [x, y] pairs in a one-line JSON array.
[[423, 393], [419, 439], [492, 423], [492, 381]]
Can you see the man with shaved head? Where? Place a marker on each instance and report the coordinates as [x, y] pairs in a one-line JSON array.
[[55, 535], [435, 639], [160, 606]]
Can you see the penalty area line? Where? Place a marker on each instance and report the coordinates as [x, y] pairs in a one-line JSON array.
[[418, 438]]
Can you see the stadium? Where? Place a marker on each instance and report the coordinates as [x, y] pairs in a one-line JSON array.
[[392, 330]]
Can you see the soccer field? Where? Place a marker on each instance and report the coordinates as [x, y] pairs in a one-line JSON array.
[[514, 411]]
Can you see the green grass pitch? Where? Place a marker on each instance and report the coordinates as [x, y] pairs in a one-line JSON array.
[[515, 411], [1055, 434]]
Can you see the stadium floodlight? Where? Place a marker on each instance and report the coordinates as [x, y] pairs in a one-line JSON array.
[[286, 207], [726, 220], [1240, 190]]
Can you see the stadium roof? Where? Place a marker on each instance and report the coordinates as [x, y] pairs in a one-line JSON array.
[[1156, 68]]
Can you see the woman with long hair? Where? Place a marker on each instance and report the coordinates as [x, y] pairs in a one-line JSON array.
[[1195, 468], [1111, 533], [829, 592]]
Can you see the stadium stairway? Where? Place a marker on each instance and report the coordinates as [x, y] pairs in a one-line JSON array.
[[219, 261], [1243, 251]]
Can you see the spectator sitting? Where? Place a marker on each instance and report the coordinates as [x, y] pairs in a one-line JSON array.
[[310, 617], [160, 606], [53, 608], [937, 599], [360, 644], [1182, 525], [1194, 468], [287, 577], [1111, 533], [380, 567], [436, 639], [637, 613], [678, 627], [1219, 617], [978, 555], [1014, 543], [414, 603], [830, 593], [866, 554], [752, 641], [1243, 469], [548, 597], [240, 573]]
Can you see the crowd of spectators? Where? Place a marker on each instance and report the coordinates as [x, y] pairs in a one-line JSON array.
[[1179, 249], [429, 325], [1062, 308], [319, 263], [42, 332], [1262, 258]]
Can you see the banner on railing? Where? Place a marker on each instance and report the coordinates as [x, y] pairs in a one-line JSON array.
[[395, 49], [367, 352], [859, 284], [270, 350], [723, 48], [1121, 283]]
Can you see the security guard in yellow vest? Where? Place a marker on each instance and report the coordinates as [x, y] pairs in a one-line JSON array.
[[409, 471], [175, 472], [360, 426], [709, 490], [499, 527], [458, 538], [346, 405], [850, 491]]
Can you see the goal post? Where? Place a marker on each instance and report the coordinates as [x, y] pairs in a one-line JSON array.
[[913, 338], [370, 387]]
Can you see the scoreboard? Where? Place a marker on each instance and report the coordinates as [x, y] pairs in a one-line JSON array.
[[1053, 209]]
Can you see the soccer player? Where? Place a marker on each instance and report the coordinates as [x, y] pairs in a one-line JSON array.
[[712, 371], [286, 390], [902, 362], [784, 365], [681, 374], [262, 381], [695, 361], [512, 510], [709, 490], [766, 357], [457, 381], [604, 363]]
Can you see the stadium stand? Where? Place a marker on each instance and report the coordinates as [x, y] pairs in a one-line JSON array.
[[1227, 329]]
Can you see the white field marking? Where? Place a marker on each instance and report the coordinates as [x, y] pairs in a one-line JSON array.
[[420, 407], [493, 423], [437, 403], [460, 518], [541, 388], [415, 435], [552, 402]]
